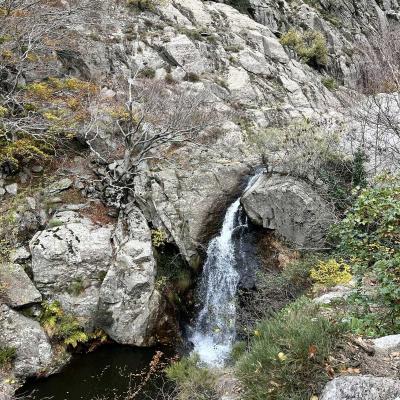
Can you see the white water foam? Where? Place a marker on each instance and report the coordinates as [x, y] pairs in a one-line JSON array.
[[214, 331]]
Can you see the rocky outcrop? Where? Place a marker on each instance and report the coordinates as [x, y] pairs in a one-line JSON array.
[[290, 207], [69, 262], [16, 289], [34, 354], [129, 302], [361, 388]]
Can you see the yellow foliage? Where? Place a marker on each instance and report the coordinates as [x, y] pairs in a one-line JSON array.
[[331, 273], [158, 237], [3, 112]]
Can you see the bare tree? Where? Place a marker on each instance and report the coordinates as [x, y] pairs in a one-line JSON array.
[[378, 115], [154, 118]]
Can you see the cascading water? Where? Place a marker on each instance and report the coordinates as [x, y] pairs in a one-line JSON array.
[[214, 330]]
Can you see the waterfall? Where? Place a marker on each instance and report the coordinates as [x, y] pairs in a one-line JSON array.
[[214, 331]]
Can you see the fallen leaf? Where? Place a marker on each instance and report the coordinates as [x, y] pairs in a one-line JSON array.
[[312, 351], [314, 398], [282, 356], [330, 371]]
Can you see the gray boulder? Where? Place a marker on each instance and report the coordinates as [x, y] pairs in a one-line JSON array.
[[387, 343], [361, 388], [290, 207], [34, 355], [69, 262], [129, 302], [16, 289]]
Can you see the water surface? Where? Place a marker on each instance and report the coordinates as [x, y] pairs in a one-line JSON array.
[[103, 374]]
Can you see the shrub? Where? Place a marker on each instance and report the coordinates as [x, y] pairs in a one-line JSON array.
[[148, 73], [192, 77], [61, 326], [331, 273], [310, 46], [330, 83], [368, 238], [289, 354], [193, 382], [275, 290], [7, 354]]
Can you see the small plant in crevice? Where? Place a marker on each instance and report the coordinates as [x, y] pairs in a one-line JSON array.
[[7, 354], [310, 46], [330, 83], [60, 326]]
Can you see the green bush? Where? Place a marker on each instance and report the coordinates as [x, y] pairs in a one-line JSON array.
[[288, 355], [310, 46], [330, 83], [330, 273], [369, 239], [7, 354], [193, 382]]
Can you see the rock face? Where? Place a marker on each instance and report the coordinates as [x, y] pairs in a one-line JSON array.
[[33, 350], [361, 388], [16, 288], [69, 262], [129, 302], [290, 207]]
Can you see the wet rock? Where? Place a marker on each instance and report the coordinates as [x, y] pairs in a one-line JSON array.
[[361, 388], [33, 351], [129, 302], [16, 288], [69, 261], [290, 207]]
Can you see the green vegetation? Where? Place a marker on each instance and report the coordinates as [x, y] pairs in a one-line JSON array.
[[306, 151], [193, 382], [288, 354], [54, 109], [7, 354], [331, 273], [60, 326], [310, 46], [148, 73], [368, 239], [76, 287], [330, 83]]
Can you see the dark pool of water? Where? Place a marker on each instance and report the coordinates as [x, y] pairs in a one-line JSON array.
[[103, 373]]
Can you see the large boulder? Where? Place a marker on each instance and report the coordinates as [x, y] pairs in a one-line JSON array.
[[387, 344], [16, 289], [290, 207], [69, 262], [362, 388], [129, 302], [34, 355]]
